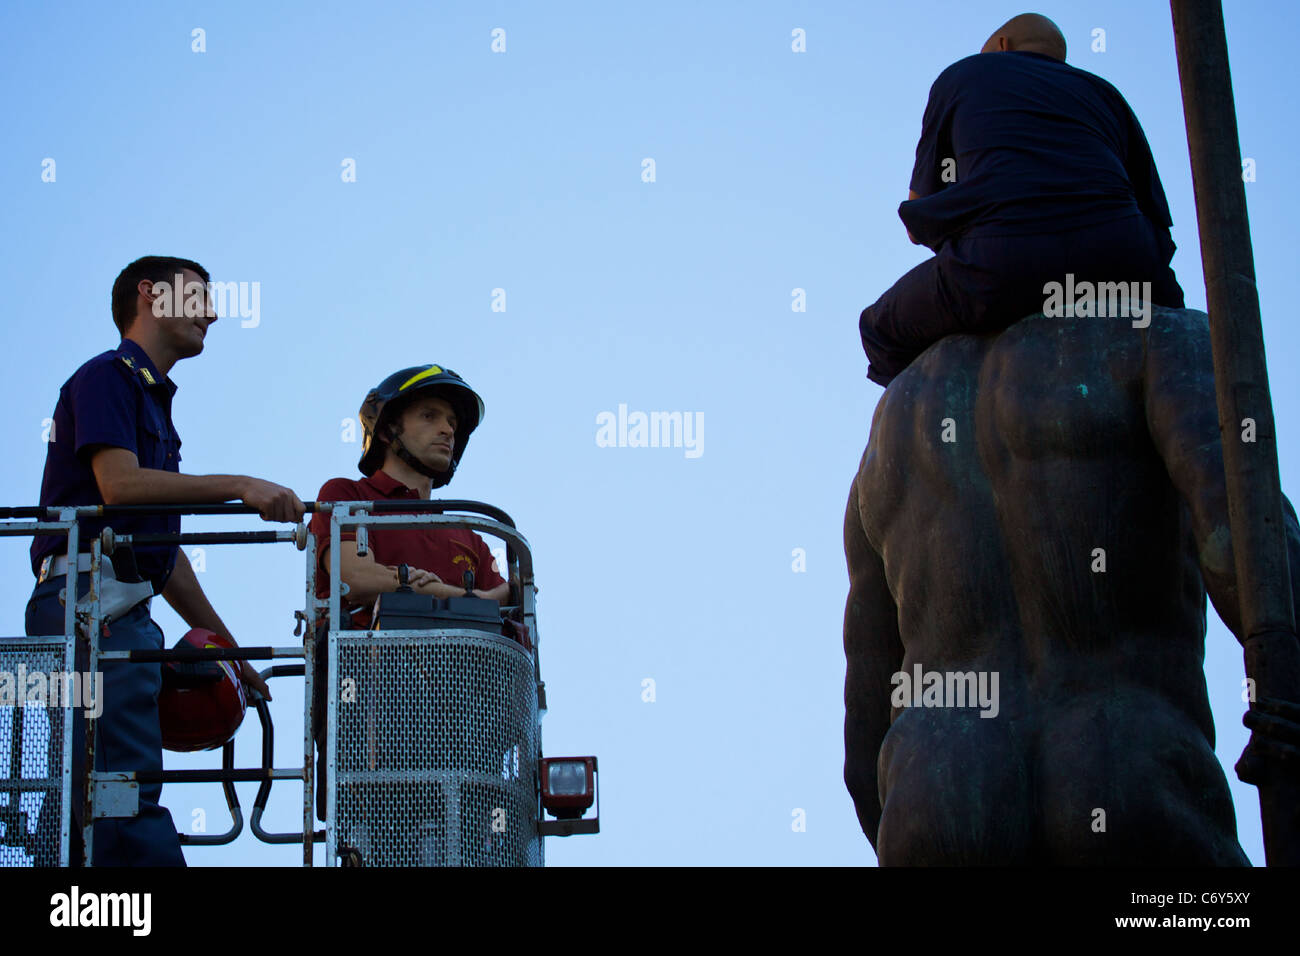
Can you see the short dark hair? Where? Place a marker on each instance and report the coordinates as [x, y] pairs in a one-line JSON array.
[[153, 268]]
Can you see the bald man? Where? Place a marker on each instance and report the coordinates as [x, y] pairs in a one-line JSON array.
[[1028, 172]]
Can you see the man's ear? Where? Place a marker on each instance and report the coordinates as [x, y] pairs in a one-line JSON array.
[[145, 287]]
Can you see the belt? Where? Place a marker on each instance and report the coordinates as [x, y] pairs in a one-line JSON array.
[[55, 564], [118, 596]]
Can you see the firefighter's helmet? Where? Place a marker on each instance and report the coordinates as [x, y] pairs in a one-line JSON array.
[[202, 703]]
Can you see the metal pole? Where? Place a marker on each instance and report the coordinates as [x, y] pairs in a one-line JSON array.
[[1241, 386], [310, 717]]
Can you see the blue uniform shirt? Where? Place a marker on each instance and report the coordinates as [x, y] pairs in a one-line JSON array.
[[1039, 147], [118, 398]]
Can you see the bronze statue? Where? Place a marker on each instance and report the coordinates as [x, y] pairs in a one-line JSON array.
[[1045, 506]]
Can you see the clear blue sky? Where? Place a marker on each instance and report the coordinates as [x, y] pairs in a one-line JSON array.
[[522, 171]]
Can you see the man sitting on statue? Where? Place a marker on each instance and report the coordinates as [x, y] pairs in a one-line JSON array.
[[1028, 171]]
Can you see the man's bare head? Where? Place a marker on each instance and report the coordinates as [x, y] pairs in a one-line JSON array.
[[1030, 32]]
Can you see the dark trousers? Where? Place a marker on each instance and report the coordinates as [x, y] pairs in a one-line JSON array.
[[986, 283], [129, 736]]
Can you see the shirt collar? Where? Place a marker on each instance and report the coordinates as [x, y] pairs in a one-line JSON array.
[[390, 487], [1042, 56], [132, 349]]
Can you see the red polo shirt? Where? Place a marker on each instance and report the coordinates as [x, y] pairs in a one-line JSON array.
[[447, 552]]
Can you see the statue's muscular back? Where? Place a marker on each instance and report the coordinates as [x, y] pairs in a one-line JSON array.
[[1016, 499]]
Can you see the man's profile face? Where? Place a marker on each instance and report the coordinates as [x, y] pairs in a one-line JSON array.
[[428, 430], [183, 315]]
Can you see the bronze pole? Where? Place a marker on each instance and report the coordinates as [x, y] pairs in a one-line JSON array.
[[1241, 386]]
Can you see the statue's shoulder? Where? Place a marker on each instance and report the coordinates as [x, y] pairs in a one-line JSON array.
[[1182, 318], [1098, 349], [1042, 373], [1038, 344]]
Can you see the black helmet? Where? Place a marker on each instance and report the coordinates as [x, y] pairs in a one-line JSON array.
[[386, 400]]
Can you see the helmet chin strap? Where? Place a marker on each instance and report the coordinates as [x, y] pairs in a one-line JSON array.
[[440, 478]]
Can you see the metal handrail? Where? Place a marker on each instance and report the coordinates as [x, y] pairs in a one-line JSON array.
[[87, 613]]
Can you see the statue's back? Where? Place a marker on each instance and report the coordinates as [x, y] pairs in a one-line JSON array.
[[1029, 534]]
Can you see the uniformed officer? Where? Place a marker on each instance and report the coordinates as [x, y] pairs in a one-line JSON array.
[[113, 442]]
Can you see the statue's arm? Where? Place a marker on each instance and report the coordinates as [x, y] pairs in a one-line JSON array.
[[1182, 416], [874, 654], [1183, 420]]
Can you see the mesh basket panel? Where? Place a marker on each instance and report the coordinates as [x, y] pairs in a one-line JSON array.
[[31, 753], [436, 761]]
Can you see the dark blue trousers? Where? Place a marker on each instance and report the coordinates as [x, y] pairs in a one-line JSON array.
[[987, 283], [129, 737]]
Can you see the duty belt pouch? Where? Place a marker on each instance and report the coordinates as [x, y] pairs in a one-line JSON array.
[[122, 586]]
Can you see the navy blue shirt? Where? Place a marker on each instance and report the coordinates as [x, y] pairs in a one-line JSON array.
[[1040, 147], [119, 399]]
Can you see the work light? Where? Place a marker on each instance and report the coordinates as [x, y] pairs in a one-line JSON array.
[[568, 791]]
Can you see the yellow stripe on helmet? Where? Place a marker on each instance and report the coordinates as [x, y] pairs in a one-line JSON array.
[[429, 372]]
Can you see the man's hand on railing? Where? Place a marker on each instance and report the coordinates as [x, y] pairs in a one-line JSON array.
[[273, 502]]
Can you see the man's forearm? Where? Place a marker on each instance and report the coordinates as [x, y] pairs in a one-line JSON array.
[[366, 585], [366, 580], [500, 593], [441, 589], [187, 599], [152, 486], [185, 595]]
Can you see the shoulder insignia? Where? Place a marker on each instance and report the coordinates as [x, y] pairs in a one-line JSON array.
[[140, 370]]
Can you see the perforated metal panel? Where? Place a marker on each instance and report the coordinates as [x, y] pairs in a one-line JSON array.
[[31, 753], [436, 754]]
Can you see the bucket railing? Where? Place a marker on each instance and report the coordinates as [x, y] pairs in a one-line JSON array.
[[115, 793]]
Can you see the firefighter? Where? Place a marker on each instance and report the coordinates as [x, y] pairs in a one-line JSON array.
[[113, 442], [415, 426]]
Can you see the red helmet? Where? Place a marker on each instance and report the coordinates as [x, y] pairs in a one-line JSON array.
[[201, 703]]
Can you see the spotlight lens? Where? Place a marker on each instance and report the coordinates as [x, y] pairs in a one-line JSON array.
[[568, 779]]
